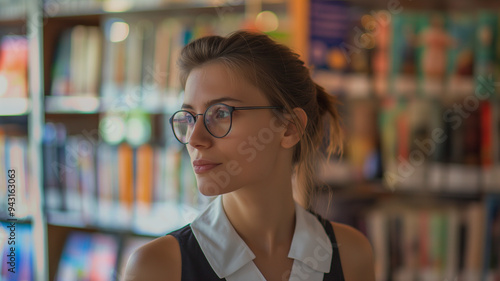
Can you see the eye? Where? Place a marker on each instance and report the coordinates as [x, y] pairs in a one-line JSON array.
[[185, 118], [222, 113]]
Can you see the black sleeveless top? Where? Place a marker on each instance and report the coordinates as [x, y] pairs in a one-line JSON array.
[[196, 267]]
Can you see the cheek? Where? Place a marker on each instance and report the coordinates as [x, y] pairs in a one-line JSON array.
[[256, 152], [248, 157]]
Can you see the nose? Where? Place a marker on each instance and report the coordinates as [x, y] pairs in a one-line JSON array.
[[200, 137]]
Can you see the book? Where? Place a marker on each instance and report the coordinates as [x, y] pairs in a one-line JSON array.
[[435, 145], [486, 147], [13, 66], [61, 72], [107, 182], [496, 148], [114, 58], [103, 257], [52, 187], [88, 256], [328, 29], [78, 72], [412, 240], [3, 173], [125, 171], [378, 236], [491, 264], [149, 76], [381, 59], [87, 179], [76, 65], [463, 151], [14, 150], [144, 181], [485, 43], [72, 187], [452, 243], [162, 55], [388, 142], [179, 38], [93, 61], [474, 216], [133, 64], [434, 41], [460, 68], [362, 148], [405, 40], [21, 248]]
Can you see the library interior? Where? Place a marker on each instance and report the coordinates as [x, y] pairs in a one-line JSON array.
[[90, 169]]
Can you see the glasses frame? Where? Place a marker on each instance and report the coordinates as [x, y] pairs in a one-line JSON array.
[[231, 110]]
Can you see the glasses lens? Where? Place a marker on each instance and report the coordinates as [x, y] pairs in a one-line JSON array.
[[218, 120], [183, 124]]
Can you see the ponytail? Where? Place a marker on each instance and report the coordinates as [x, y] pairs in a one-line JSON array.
[[323, 128], [328, 113]]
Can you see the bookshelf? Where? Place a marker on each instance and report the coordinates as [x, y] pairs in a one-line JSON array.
[[98, 151], [416, 168], [111, 169], [20, 122]]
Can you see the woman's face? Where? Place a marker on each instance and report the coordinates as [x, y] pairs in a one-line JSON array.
[[250, 152]]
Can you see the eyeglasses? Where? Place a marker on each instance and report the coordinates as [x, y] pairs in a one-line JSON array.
[[218, 119]]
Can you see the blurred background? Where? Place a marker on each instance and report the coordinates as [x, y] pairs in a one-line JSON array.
[[86, 151]]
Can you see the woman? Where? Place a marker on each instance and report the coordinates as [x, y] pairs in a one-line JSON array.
[[252, 119]]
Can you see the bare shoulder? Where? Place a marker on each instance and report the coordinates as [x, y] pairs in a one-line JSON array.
[[356, 253], [156, 260]]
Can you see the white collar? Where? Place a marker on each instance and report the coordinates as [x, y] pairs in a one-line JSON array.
[[226, 252]]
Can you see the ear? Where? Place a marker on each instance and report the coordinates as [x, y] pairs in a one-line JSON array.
[[293, 134]]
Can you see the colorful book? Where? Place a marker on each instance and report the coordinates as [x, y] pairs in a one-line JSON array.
[[51, 183], [13, 66], [460, 68], [61, 72], [381, 59], [103, 257], [362, 151], [88, 256], [21, 248], [403, 65], [491, 264], [77, 62], [434, 42], [115, 60]]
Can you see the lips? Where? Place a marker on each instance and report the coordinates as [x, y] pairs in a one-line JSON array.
[[202, 165]]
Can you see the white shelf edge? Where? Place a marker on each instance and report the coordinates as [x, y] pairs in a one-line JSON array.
[[14, 106]]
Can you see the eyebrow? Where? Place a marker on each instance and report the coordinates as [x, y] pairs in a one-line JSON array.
[[210, 102]]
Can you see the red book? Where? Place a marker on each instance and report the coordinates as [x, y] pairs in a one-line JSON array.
[[13, 66]]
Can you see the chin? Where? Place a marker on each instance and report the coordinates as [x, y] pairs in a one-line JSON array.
[[211, 188]]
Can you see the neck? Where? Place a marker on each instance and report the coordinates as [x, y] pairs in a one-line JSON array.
[[263, 214]]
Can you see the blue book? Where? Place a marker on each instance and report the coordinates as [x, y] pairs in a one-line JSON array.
[[491, 264], [75, 259]]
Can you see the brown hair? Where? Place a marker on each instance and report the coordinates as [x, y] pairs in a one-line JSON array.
[[285, 80]]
